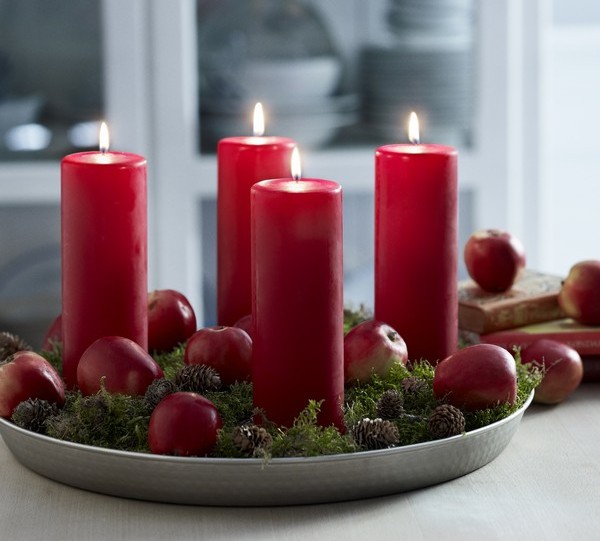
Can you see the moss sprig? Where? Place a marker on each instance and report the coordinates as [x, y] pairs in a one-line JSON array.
[[529, 376], [307, 438]]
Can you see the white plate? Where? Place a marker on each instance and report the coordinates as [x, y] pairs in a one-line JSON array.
[[250, 482]]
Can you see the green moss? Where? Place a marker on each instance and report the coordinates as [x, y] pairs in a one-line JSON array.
[[361, 400], [529, 376], [306, 438], [234, 404], [225, 447], [104, 420], [423, 370], [171, 362], [413, 430]]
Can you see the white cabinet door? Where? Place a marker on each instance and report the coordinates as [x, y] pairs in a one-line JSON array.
[[501, 168]]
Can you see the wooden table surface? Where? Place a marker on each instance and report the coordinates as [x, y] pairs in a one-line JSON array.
[[545, 485]]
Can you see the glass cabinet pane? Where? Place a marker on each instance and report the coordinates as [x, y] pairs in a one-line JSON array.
[[338, 73], [30, 278], [51, 84]]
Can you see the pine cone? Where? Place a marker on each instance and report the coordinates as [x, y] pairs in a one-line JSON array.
[[375, 434], [33, 413], [10, 344], [157, 390], [197, 378], [390, 405], [413, 385], [251, 439], [446, 421]]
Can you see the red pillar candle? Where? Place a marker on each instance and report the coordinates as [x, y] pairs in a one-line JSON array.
[[242, 161], [104, 251], [416, 246], [297, 298]]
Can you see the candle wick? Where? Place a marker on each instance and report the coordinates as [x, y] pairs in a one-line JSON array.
[[296, 167]]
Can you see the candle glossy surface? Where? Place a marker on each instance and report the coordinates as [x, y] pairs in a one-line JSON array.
[[416, 224], [104, 251], [242, 161], [297, 298]]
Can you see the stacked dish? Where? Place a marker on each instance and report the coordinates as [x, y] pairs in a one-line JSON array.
[[278, 53], [451, 17], [429, 68], [311, 122]]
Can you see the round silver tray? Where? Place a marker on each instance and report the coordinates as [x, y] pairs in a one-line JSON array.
[[252, 482]]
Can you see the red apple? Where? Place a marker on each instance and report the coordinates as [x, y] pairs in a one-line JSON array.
[[494, 259], [245, 323], [579, 296], [171, 319], [564, 369], [125, 367], [372, 347], [28, 375], [476, 377], [53, 334], [227, 349], [184, 424]]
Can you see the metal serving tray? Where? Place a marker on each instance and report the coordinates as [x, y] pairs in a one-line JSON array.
[[252, 482]]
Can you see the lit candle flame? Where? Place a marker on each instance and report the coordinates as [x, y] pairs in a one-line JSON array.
[[413, 128], [296, 165], [259, 120], [104, 138]]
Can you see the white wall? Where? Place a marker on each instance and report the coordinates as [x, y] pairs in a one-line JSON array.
[[572, 150], [576, 12]]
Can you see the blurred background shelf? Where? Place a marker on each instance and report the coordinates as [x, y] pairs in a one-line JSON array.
[[494, 78]]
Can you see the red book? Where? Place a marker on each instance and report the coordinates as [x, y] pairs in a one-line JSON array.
[[532, 299], [583, 338]]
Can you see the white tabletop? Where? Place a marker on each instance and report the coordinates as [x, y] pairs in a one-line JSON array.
[[545, 485]]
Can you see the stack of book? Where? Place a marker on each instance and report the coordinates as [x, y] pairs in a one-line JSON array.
[[526, 312]]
